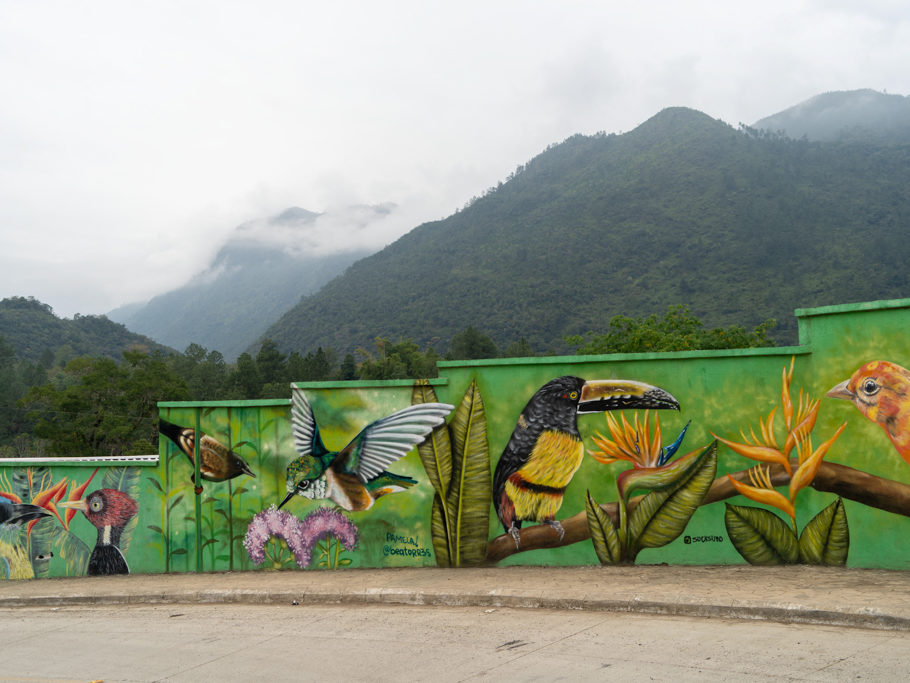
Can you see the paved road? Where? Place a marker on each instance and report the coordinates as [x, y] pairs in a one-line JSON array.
[[357, 642]]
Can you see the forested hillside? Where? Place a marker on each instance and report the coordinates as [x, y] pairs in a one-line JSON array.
[[36, 334], [739, 225]]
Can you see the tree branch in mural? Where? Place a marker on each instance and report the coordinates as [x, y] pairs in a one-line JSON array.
[[354, 477], [456, 457], [677, 488], [759, 535], [846, 482], [218, 462], [546, 449], [277, 536]]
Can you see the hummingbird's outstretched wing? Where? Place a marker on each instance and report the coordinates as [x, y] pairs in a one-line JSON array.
[[386, 440], [306, 432]]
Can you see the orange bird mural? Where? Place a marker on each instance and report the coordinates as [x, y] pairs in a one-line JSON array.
[[881, 391]]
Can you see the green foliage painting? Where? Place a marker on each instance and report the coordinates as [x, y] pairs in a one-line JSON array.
[[456, 457]]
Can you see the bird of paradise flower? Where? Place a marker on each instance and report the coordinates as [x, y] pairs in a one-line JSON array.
[[759, 535], [676, 488]]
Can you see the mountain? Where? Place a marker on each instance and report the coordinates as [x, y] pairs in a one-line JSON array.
[[854, 114], [34, 331], [261, 271], [740, 225]]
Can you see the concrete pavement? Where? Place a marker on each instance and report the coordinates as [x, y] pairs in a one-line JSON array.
[[864, 598]]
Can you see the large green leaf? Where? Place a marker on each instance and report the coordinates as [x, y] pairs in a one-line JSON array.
[[72, 550], [826, 538], [436, 455], [470, 491], [436, 451], [603, 533], [440, 534], [760, 536], [658, 478], [661, 516]]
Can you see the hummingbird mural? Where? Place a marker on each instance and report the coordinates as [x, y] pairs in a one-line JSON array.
[[354, 477]]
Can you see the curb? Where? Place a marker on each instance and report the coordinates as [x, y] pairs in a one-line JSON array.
[[786, 614]]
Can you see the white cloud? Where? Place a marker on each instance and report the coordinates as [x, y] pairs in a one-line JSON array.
[[135, 136]]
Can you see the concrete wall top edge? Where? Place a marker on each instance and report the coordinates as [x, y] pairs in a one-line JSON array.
[[884, 304], [628, 357]]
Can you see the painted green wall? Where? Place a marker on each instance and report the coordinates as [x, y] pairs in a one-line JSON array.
[[720, 393]]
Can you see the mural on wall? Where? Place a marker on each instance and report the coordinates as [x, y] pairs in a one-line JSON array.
[[546, 449], [355, 476], [761, 536], [217, 461], [284, 539], [351, 479], [676, 488], [236, 440], [456, 458], [38, 513], [881, 392], [109, 511], [376, 484]]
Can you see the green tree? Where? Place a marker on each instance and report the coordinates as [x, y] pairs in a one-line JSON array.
[[348, 369], [244, 380], [677, 330], [99, 407], [471, 344], [519, 349], [271, 364], [401, 360]]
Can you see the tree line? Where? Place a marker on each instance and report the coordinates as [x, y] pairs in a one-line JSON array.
[[94, 405]]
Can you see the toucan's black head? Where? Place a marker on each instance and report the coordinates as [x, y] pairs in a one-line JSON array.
[[600, 395], [554, 406]]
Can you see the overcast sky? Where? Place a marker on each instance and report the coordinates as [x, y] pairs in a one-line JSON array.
[[134, 136]]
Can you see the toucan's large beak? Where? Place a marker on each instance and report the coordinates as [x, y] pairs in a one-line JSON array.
[[74, 505], [286, 499], [600, 395], [842, 391]]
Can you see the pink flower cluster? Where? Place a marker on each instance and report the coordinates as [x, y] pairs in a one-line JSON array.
[[300, 536]]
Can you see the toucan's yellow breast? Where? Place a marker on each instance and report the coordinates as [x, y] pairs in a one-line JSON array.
[[554, 460]]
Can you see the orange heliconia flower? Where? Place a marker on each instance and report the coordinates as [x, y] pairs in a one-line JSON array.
[[765, 449], [75, 495], [762, 490]]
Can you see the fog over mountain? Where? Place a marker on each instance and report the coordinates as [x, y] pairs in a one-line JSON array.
[[855, 114], [261, 271]]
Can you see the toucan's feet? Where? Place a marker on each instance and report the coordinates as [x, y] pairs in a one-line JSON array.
[[516, 536], [556, 525]]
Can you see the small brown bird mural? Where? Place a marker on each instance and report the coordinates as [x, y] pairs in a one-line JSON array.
[[881, 391], [219, 463]]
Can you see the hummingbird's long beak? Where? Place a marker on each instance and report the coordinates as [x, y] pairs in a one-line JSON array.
[[600, 395], [286, 499]]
